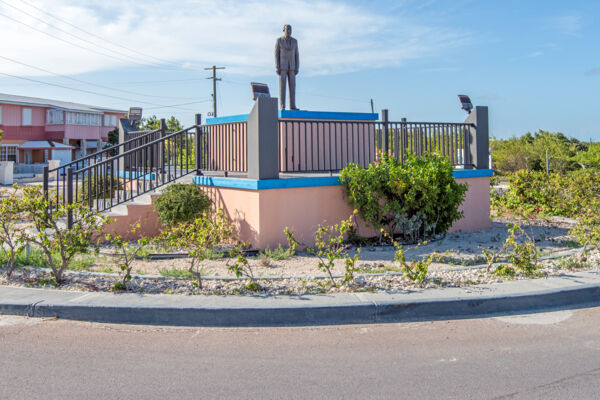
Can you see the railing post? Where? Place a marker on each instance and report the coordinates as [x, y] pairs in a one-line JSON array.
[[479, 132], [197, 146], [263, 139], [46, 177], [386, 138], [163, 132], [403, 139], [69, 196]]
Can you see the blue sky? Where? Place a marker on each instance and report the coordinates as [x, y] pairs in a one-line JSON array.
[[535, 64]]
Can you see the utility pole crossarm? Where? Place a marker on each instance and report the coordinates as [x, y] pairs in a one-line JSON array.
[[214, 79]]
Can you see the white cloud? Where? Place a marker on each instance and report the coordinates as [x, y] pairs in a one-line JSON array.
[[333, 37], [536, 54]]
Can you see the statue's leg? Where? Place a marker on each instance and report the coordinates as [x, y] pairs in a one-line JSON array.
[[292, 81], [282, 83]]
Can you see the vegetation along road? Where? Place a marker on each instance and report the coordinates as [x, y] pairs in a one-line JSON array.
[[551, 355]]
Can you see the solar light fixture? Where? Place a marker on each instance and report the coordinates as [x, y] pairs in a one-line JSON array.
[[465, 103], [135, 114], [259, 90]]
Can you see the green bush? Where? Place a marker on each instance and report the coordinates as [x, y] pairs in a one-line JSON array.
[[181, 203], [415, 200], [531, 192]]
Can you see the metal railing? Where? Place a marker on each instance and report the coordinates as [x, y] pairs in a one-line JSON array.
[[122, 177], [141, 137], [223, 148], [328, 146]]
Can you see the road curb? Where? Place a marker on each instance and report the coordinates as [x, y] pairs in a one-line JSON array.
[[360, 308]]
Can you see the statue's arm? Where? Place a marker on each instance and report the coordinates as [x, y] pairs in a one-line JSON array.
[[297, 59], [277, 65]]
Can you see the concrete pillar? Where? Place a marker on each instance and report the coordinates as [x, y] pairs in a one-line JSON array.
[[263, 132], [479, 138]]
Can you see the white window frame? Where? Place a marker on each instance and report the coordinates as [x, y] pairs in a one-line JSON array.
[[26, 116], [110, 120], [4, 152], [55, 117]]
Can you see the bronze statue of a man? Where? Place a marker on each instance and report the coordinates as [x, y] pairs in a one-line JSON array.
[[287, 63]]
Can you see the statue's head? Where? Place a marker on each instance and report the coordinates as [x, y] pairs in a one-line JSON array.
[[287, 30]]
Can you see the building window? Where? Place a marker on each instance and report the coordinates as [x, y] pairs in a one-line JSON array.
[[55, 117], [74, 118], [110, 120], [46, 155], [0, 115], [26, 117], [8, 153]]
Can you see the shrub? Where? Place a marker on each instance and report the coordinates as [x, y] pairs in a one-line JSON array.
[[200, 237], [532, 192], [181, 203], [52, 235], [330, 246], [415, 200], [10, 213], [127, 253]]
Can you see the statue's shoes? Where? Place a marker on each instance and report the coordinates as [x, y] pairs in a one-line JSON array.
[[295, 109]]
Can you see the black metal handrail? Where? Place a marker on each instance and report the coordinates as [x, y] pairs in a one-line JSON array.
[[328, 146], [130, 174], [99, 154]]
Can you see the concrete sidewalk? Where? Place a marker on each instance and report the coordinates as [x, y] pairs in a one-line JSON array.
[[571, 290]]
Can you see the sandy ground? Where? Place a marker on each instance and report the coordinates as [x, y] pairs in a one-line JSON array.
[[463, 248]]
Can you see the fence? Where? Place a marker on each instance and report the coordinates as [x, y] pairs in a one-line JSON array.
[[113, 180], [154, 158], [328, 146]]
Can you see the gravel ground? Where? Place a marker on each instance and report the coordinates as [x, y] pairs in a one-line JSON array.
[[301, 276]]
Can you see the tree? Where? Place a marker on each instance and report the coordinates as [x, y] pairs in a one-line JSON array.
[[153, 122]]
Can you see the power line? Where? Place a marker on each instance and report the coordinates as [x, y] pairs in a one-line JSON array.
[[78, 45], [99, 94], [87, 82], [99, 37], [214, 93]]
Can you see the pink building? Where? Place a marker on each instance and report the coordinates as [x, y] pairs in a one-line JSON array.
[[36, 130]]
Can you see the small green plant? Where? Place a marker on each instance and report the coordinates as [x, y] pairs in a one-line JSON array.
[[127, 252], [330, 246], [587, 230], [178, 272], [52, 235], [292, 242], [519, 249], [180, 203], [11, 210], [240, 267], [416, 271], [200, 237]]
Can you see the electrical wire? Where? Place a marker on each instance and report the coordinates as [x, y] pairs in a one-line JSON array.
[[99, 37], [129, 60], [100, 94], [90, 83]]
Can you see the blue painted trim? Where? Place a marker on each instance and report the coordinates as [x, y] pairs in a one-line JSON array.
[[265, 184], [289, 183], [227, 119], [305, 114], [472, 173], [128, 175], [301, 114]]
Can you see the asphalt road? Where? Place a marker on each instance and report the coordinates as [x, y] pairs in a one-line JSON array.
[[540, 356]]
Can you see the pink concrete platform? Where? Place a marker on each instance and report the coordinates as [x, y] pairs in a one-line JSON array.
[[262, 209]]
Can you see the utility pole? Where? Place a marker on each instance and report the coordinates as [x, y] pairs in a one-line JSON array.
[[214, 93], [372, 108]]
